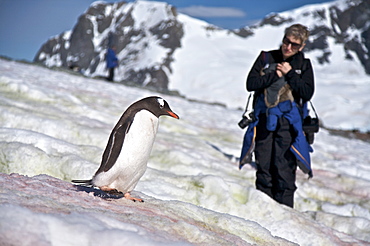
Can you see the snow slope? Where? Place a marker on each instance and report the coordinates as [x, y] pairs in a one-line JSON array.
[[55, 125]]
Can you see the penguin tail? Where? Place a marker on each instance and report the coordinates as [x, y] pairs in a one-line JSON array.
[[84, 182]]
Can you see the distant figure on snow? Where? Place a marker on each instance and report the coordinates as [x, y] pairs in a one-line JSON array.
[[112, 62]]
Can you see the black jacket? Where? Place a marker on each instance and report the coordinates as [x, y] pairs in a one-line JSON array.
[[300, 77]]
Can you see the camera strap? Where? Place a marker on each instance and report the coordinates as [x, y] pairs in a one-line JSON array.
[[246, 107], [314, 110]]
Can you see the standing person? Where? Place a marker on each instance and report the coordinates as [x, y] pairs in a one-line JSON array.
[[112, 62], [282, 81]]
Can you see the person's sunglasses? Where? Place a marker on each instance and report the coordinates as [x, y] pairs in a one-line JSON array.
[[295, 46]]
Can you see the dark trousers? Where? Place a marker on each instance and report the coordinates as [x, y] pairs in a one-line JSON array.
[[111, 74], [276, 164]]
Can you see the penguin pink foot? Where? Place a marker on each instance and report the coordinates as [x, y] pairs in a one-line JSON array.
[[111, 191], [129, 197]]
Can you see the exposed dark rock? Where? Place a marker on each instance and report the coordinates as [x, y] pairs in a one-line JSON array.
[[275, 20], [244, 32]]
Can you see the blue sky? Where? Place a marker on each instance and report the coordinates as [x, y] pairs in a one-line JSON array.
[[26, 24]]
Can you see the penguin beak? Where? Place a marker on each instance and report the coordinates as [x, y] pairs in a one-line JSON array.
[[172, 114]]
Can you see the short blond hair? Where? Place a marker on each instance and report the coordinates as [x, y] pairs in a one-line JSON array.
[[298, 31]]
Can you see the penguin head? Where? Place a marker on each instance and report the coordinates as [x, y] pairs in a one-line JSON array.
[[158, 106]]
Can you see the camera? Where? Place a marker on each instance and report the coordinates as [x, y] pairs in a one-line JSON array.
[[246, 120], [310, 127]]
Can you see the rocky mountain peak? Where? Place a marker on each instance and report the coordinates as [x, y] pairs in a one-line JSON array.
[[140, 31]]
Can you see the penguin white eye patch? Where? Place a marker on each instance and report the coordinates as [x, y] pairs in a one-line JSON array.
[[161, 102]]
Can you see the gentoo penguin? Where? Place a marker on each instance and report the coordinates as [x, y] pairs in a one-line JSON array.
[[125, 158]]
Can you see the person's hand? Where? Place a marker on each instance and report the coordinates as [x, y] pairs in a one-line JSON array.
[[283, 68], [279, 73]]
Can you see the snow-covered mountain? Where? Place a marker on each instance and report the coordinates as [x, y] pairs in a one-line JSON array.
[[161, 48]]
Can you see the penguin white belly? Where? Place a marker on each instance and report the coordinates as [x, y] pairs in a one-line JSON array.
[[132, 161]]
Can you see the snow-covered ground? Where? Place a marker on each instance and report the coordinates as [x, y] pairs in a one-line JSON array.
[[55, 125]]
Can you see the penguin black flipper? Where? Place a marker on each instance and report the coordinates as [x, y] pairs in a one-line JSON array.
[[114, 145], [84, 182]]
